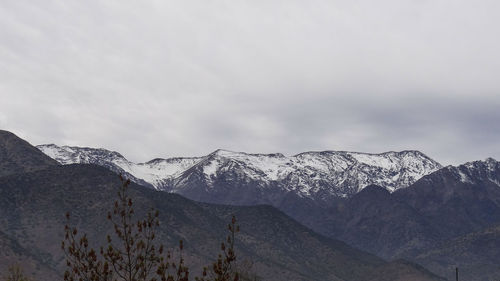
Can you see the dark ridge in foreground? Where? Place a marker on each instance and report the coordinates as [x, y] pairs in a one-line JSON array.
[[18, 156], [33, 205], [36, 193]]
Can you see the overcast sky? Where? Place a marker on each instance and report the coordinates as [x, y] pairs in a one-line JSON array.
[[183, 78]]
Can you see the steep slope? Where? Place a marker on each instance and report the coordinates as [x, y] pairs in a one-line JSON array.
[[423, 222], [17, 155], [402, 270], [314, 175], [32, 208], [475, 254], [112, 160], [374, 220], [307, 186], [459, 199], [12, 253]]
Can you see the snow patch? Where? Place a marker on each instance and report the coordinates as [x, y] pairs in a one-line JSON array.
[[463, 177], [328, 172]]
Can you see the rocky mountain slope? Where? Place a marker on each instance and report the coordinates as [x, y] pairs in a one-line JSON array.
[[476, 254], [313, 175], [33, 207], [436, 222], [416, 222], [33, 204], [18, 156]]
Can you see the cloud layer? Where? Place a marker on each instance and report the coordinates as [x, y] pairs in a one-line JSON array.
[[171, 78]]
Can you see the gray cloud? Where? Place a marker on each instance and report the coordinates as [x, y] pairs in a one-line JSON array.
[[169, 78]]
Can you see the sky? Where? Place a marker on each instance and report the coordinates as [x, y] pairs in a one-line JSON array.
[[183, 78]]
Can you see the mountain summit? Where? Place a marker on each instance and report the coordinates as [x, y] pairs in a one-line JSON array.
[[312, 175]]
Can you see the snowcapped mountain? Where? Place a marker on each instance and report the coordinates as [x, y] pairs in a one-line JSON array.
[[314, 175], [477, 171], [156, 173]]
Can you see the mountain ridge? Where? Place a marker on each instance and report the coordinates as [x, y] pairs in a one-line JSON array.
[[33, 204], [447, 204], [307, 174], [18, 156], [438, 222]]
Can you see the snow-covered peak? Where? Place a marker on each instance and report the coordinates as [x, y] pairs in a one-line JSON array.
[[71, 154], [337, 173], [475, 171], [352, 171], [491, 164], [264, 166], [154, 172], [385, 160]]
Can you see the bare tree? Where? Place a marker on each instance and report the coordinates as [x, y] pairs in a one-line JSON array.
[[132, 253], [223, 269], [134, 256]]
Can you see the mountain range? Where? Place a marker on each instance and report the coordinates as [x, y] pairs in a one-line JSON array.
[[429, 222], [319, 176], [394, 205], [35, 197]]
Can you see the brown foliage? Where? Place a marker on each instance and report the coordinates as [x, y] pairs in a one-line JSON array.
[[15, 273]]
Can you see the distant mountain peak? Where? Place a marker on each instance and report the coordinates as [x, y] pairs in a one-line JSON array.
[[481, 170], [317, 175], [491, 163]]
